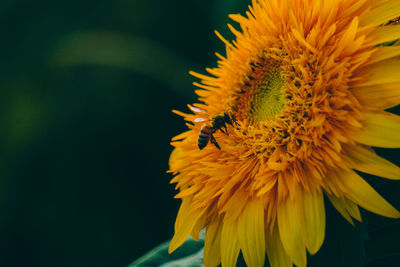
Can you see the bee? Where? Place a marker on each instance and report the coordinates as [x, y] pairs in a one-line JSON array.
[[394, 21], [210, 126]]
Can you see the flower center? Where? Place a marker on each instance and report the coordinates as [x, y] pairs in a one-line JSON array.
[[260, 93], [267, 99]]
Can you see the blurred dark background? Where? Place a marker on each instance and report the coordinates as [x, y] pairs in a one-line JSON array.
[[86, 92]]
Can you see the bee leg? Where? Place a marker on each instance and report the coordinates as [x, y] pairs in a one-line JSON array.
[[232, 120], [212, 139], [226, 130], [222, 130]]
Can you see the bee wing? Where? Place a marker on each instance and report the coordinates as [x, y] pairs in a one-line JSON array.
[[196, 110], [202, 113], [200, 120]]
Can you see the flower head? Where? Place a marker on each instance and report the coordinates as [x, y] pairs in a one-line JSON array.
[[306, 83]]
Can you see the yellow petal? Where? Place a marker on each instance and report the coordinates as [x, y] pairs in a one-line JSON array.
[[366, 160], [175, 162], [290, 224], [380, 96], [382, 72], [347, 38], [236, 203], [219, 171], [174, 155], [229, 244], [314, 221], [383, 53], [195, 234], [385, 34], [375, 3], [276, 253], [301, 40], [185, 222], [181, 136], [380, 130], [251, 233], [346, 207], [353, 209], [184, 209], [360, 192], [337, 203], [381, 14], [188, 191], [212, 241]]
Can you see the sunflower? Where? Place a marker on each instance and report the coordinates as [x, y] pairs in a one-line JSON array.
[[305, 85]]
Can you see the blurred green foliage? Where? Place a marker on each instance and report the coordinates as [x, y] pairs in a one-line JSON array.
[[86, 90]]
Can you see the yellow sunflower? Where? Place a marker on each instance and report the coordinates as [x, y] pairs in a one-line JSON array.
[[302, 93]]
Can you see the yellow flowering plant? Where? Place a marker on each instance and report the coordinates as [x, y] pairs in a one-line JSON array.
[[302, 91]]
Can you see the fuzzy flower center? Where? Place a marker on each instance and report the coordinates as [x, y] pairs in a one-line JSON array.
[[260, 94], [267, 99]]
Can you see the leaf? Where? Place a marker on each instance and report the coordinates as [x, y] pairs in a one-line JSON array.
[[189, 254]]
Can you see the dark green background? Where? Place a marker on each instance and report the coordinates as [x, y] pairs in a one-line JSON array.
[[86, 92]]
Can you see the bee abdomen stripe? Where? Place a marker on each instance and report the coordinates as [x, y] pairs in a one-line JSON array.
[[204, 133], [203, 137]]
